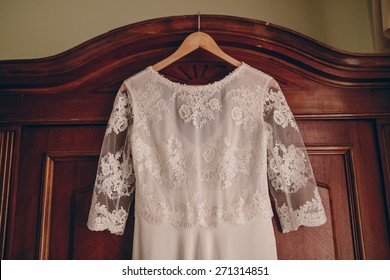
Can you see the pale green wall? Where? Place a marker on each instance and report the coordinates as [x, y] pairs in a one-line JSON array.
[[39, 28]]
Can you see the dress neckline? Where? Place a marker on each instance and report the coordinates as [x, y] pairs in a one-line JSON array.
[[156, 76]]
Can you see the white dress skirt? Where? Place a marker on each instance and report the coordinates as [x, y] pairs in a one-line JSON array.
[[254, 240]]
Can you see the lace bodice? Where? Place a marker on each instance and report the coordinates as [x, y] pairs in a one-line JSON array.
[[203, 156]]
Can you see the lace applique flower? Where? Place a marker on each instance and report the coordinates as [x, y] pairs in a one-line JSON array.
[[150, 106], [237, 115], [214, 104], [310, 214], [289, 169], [208, 153], [178, 161], [116, 175], [169, 166], [101, 219], [120, 114], [247, 109], [185, 112], [223, 162], [199, 106], [274, 100], [147, 159]]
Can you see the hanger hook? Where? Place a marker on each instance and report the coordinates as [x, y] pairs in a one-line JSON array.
[[198, 21]]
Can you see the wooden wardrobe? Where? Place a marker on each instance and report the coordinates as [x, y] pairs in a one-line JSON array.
[[54, 110]]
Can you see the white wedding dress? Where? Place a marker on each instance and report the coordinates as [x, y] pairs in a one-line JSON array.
[[199, 163]]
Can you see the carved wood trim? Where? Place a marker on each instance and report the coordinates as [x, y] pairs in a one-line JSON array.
[[47, 194], [352, 189], [305, 68], [9, 158], [151, 40], [7, 139]]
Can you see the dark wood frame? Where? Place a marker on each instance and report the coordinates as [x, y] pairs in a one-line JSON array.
[[77, 87]]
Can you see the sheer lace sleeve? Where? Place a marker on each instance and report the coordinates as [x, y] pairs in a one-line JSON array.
[[114, 184], [291, 180]]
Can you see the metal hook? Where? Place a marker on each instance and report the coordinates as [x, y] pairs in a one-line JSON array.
[[198, 21]]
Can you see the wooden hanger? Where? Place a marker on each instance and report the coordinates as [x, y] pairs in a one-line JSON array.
[[195, 41]]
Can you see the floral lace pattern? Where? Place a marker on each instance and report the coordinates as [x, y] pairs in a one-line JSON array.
[[193, 175], [147, 159], [168, 167], [178, 161], [198, 211], [282, 115], [199, 105], [247, 109], [101, 219], [310, 214], [223, 162], [198, 108], [212, 87], [120, 114], [150, 106], [115, 176], [288, 168]]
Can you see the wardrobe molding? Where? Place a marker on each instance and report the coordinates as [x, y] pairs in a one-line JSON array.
[[53, 113], [244, 37]]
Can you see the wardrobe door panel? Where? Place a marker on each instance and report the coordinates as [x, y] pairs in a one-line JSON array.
[[57, 172]]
